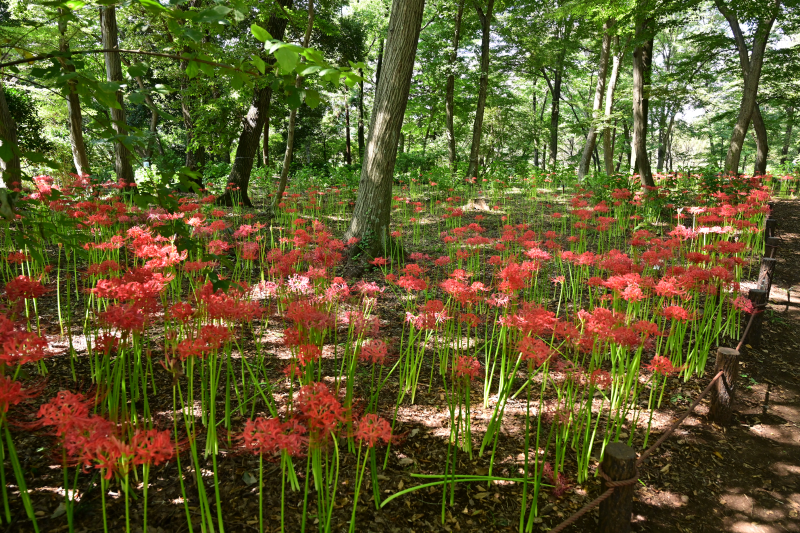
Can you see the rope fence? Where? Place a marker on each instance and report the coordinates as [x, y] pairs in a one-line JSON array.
[[615, 516]]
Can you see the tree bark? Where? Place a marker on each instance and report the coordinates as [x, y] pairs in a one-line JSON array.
[[348, 155], [762, 147], [751, 71], [483, 87], [287, 157], [787, 138], [555, 91], [265, 149], [449, 95], [252, 126], [74, 116], [642, 63], [370, 222], [11, 169], [361, 116], [611, 87], [122, 156], [664, 133], [591, 137]]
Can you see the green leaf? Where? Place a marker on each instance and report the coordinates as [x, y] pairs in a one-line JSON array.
[[312, 98], [310, 70], [287, 59], [207, 69], [138, 70], [260, 33], [110, 87], [293, 99], [193, 34], [214, 15], [136, 97], [192, 69], [6, 153], [259, 63]]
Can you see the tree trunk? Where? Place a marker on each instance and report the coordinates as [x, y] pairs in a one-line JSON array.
[[751, 71], [428, 129], [627, 135], [379, 66], [664, 134], [74, 116], [611, 87], [760, 167], [642, 62], [287, 157], [402, 146], [591, 137], [361, 116], [265, 149], [555, 91], [787, 138], [252, 126], [483, 87], [10, 169], [449, 95], [348, 156], [370, 222], [122, 156]]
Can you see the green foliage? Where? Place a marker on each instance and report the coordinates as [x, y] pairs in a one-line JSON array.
[[30, 127]]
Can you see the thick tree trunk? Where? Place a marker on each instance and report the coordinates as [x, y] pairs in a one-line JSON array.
[[74, 116], [10, 170], [642, 63], [122, 156], [483, 87], [252, 126], [361, 116], [348, 155], [449, 95], [751, 71], [611, 87], [287, 157], [370, 222], [762, 147], [787, 138], [591, 137]]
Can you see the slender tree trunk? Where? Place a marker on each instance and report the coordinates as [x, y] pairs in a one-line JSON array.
[[751, 71], [591, 137], [762, 148], [10, 169], [449, 95], [252, 127], [483, 87], [370, 222], [627, 135], [287, 157], [787, 137], [428, 129], [555, 90], [122, 156], [74, 116], [361, 116], [642, 61], [265, 148], [379, 66], [611, 87], [401, 148], [664, 134], [348, 157]]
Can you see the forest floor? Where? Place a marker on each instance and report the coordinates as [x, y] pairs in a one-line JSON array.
[[705, 478]]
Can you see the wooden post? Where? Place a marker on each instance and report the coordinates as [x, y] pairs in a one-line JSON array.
[[619, 463], [759, 299], [771, 246], [724, 391], [765, 274], [769, 227]]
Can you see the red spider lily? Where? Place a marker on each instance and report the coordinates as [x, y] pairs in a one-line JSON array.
[[676, 312], [271, 436], [11, 393], [467, 367], [182, 312], [152, 447], [372, 429], [125, 317], [362, 326], [24, 287], [534, 350], [601, 379], [744, 305], [469, 318], [321, 411], [17, 258], [373, 351], [64, 411], [106, 343], [662, 365], [308, 353]]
